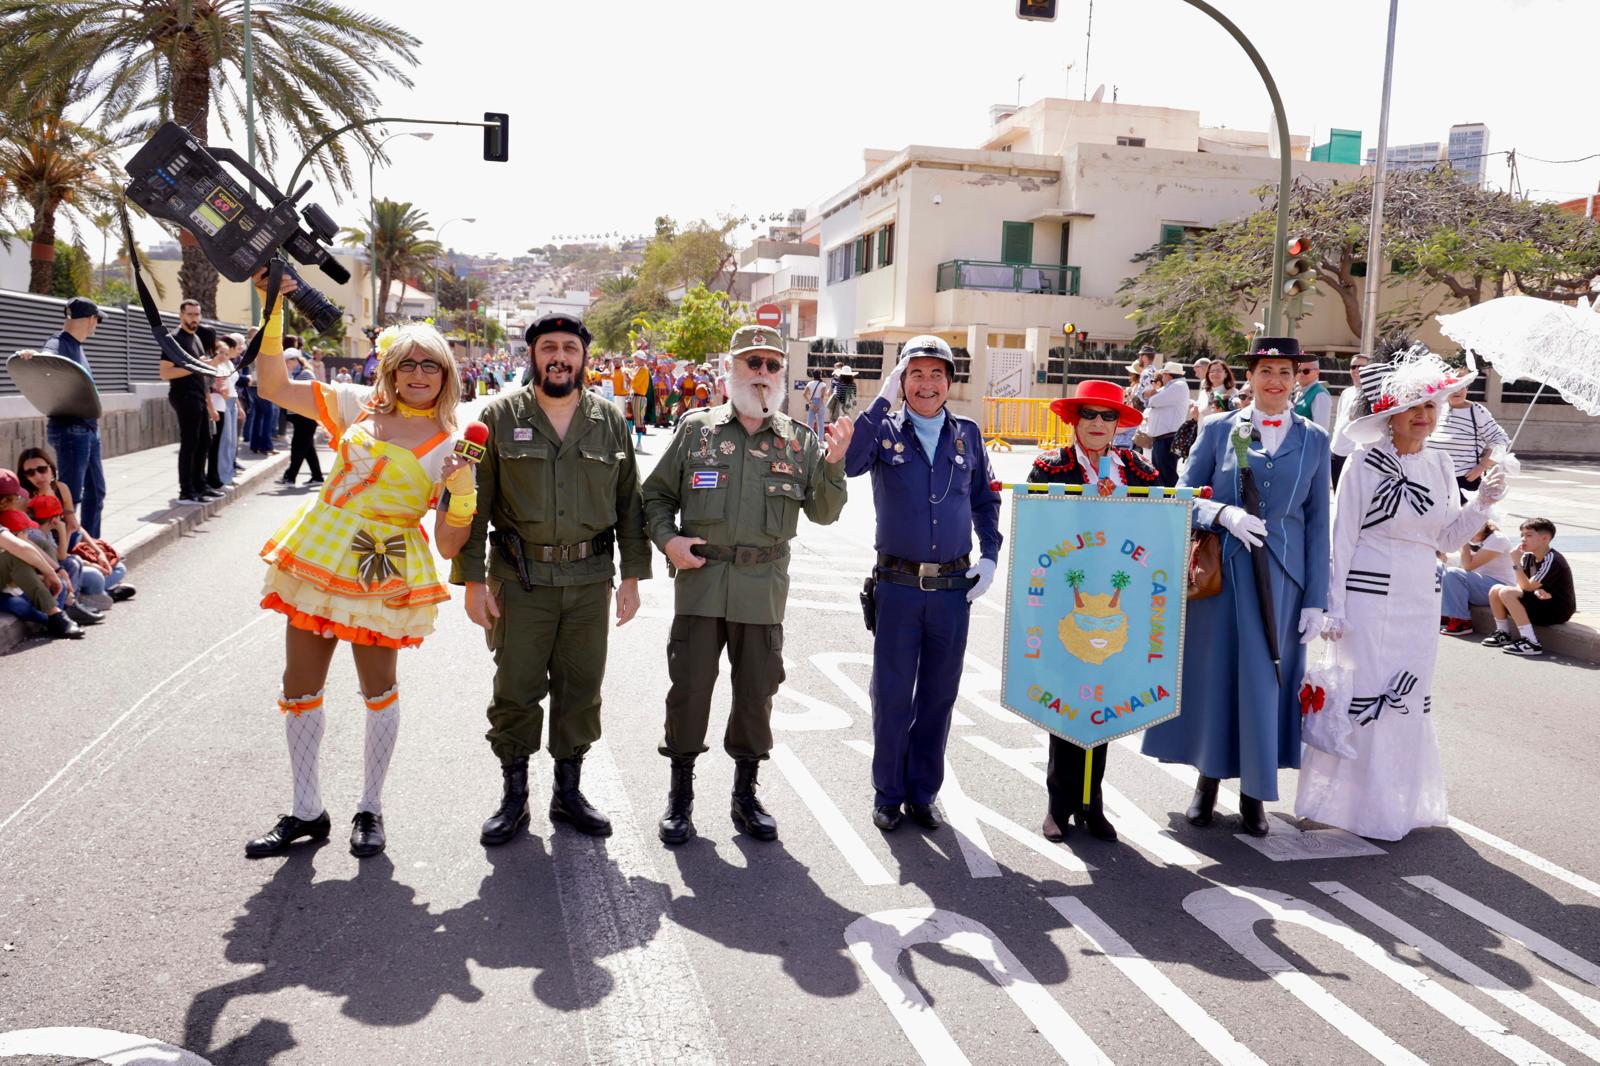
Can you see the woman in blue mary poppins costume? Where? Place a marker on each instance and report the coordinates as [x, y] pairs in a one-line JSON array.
[[1241, 711]]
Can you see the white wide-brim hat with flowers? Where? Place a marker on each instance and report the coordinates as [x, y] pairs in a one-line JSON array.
[[1407, 379]]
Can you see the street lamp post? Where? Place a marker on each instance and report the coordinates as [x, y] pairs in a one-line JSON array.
[[372, 217], [439, 236]]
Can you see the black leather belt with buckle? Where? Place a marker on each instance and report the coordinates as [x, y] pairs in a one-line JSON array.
[[561, 553], [929, 577], [741, 555]]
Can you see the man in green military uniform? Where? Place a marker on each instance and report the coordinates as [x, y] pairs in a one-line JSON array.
[[559, 481], [723, 504]]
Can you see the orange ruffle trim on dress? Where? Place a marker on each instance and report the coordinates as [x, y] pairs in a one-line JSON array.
[[327, 627]]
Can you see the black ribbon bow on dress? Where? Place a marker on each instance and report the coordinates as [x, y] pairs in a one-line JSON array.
[[1367, 708], [1394, 488]]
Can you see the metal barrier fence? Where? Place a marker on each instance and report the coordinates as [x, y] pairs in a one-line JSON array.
[[1008, 421]]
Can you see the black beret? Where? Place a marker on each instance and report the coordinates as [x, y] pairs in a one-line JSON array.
[[555, 322]]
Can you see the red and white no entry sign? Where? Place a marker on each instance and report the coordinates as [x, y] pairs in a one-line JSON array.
[[769, 315]]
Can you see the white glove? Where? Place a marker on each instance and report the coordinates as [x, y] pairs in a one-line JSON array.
[[890, 389], [1332, 627], [1250, 530], [1310, 624], [1492, 488], [984, 572]]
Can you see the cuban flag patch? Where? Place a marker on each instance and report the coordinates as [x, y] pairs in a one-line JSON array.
[[706, 479]]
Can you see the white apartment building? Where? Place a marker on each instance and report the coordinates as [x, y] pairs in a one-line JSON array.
[[996, 247]]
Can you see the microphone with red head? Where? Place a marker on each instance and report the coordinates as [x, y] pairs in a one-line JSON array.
[[471, 445]]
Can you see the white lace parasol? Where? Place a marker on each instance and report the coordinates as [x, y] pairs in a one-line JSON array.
[[1524, 337]]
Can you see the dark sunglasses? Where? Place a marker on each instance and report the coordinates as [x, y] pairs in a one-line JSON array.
[[1306, 370], [29, 471], [1108, 416], [755, 362]]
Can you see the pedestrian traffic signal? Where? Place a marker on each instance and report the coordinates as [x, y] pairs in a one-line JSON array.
[[472, 305], [496, 136], [1037, 10], [1299, 273]]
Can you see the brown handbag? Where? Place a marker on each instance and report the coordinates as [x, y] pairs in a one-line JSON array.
[[1205, 565]]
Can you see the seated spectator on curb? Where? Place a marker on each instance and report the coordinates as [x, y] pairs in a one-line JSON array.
[[1485, 563], [1543, 595], [29, 586], [39, 479], [15, 520]]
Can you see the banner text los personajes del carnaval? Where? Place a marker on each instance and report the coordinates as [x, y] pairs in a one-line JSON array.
[[1094, 613]]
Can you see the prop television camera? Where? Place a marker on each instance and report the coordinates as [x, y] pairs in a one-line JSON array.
[[177, 178]]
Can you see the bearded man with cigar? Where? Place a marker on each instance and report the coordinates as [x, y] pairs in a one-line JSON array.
[[560, 484], [723, 504]]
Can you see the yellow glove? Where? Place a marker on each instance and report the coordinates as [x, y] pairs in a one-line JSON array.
[[461, 509], [462, 482], [272, 332]]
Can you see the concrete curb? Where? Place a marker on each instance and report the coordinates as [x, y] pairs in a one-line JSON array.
[[169, 528], [1572, 640]]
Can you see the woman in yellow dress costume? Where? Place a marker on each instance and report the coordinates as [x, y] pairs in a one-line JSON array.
[[354, 564]]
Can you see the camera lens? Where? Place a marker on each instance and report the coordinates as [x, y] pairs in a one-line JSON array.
[[323, 313]]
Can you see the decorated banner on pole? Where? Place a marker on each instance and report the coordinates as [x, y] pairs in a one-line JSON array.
[[1095, 609]]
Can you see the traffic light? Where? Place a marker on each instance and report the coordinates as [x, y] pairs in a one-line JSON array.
[[496, 137], [1037, 10], [472, 305], [1299, 274]]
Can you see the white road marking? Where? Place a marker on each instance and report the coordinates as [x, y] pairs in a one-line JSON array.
[[818, 714], [643, 1001], [1545, 1018], [830, 818], [1232, 914], [96, 1045], [878, 940], [1560, 873], [1584, 1005], [125, 715], [1173, 1001], [1537, 943]]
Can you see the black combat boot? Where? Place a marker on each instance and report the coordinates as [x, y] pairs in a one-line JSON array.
[[567, 803], [676, 826], [748, 814], [512, 814], [1252, 816], [1204, 802]]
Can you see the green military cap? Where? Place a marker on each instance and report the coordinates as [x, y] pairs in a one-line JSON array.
[[757, 339]]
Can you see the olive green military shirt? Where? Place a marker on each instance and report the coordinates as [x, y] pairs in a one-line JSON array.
[[553, 491], [738, 489]]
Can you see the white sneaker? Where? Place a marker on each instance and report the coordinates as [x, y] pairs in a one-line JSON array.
[[102, 602], [1525, 647]]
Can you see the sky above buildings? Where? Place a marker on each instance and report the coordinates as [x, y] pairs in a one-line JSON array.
[[626, 109]]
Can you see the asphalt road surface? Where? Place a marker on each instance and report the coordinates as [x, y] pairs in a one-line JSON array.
[[137, 762]]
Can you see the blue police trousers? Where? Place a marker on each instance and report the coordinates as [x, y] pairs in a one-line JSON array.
[[917, 651]]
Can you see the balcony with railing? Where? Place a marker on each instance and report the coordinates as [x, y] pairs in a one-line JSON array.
[[1040, 278], [785, 285]]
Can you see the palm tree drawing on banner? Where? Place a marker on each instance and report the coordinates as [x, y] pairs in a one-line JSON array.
[[1096, 628]]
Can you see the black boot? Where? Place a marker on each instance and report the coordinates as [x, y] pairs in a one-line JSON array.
[[676, 826], [1204, 802], [567, 803], [748, 814], [1092, 815], [512, 814], [1252, 816]]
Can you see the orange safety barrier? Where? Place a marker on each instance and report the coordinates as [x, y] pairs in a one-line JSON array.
[[1008, 421]]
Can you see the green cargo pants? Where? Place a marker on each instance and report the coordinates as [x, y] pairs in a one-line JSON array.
[[15, 573], [550, 641], [694, 651]]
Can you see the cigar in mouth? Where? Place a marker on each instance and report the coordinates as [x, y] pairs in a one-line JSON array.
[[763, 394]]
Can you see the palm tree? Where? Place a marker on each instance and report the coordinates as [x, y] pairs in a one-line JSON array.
[[316, 67], [1075, 578], [1119, 581], [399, 250]]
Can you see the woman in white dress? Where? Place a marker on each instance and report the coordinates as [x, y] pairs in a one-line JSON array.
[[1396, 507]]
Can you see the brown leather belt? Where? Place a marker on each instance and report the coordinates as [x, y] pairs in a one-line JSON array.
[[929, 577], [741, 555]]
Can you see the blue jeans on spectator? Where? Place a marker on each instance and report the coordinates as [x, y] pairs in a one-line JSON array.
[[1463, 590], [263, 420], [78, 466], [89, 581], [21, 607]]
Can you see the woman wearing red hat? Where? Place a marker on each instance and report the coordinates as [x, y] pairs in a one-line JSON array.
[[1095, 412]]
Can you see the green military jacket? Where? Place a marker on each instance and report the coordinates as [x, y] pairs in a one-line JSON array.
[[739, 490], [553, 491]]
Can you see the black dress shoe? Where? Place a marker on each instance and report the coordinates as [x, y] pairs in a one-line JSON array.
[[1204, 803], [366, 834], [1252, 816], [286, 832], [60, 627], [886, 816], [1053, 831], [1094, 820], [121, 592], [925, 815]]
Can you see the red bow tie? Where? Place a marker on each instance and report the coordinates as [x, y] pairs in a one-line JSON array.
[[1272, 421]]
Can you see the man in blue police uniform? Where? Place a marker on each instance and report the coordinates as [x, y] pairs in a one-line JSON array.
[[931, 487]]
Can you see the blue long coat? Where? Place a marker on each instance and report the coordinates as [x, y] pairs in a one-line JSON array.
[[1237, 719]]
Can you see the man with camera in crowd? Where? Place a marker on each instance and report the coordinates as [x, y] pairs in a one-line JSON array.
[[189, 394]]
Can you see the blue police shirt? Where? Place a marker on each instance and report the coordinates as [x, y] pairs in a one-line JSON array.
[[65, 344], [927, 511]]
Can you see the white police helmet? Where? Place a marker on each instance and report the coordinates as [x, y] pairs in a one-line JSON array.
[[927, 346]]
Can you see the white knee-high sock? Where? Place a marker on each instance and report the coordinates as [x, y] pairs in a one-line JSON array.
[[383, 727], [303, 724]]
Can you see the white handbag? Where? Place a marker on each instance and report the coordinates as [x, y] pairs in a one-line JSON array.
[[1325, 702]]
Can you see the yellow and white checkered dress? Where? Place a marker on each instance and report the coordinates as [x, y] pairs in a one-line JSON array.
[[354, 563]]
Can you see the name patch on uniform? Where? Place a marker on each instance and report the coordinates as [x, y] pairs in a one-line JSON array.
[[706, 479], [522, 433]]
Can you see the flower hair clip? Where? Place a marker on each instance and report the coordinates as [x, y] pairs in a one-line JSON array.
[[386, 338]]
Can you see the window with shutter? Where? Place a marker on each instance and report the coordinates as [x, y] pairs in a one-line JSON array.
[[1016, 242]]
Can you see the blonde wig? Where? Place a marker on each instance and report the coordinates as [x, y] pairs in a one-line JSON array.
[[416, 340]]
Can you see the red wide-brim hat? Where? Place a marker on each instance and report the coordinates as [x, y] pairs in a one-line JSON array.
[[1096, 394]]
